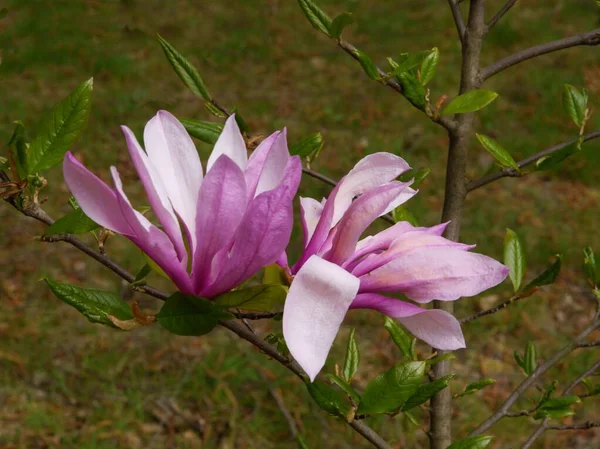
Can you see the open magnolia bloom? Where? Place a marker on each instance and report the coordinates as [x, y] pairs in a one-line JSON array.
[[218, 229], [337, 271]]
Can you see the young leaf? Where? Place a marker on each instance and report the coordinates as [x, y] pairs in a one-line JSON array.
[[345, 386], [476, 442], [514, 258], [368, 65], [401, 338], [412, 89], [575, 103], [519, 360], [426, 391], [548, 276], [352, 358], [261, 298], [555, 413], [418, 176], [589, 265], [274, 274], [498, 151], [339, 23], [553, 160], [390, 390], [95, 305], [308, 147], [408, 62], [401, 213], [530, 359], [185, 70], [214, 110], [476, 386], [329, 399], [189, 315], [19, 148], [75, 222], [557, 408], [60, 128], [471, 101], [239, 119], [207, 132], [316, 16], [429, 66], [142, 273], [440, 358]]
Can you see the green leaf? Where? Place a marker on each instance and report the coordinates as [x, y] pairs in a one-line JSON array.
[[142, 273], [400, 337], [214, 110], [352, 358], [548, 392], [589, 265], [185, 70], [476, 386], [75, 222], [95, 305], [418, 176], [19, 149], [300, 441], [60, 128], [368, 65], [345, 386], [401, 213], [154, 266], [408, 62], [262, 298], [557, 407], [560, 402], [519, 360], [555, 413], [548, 276], [514, 258], [329, 399], [530, 359], [339, 23], [412, 89], [471, 101], [207, 132], [440, 358], [316, 16], [240, 121], [274, 274], [308, 147], [553, 160], [575, 103], [189, 315], [429, 66], [476, 442], [390, 390], [498, 151], [426, 392]]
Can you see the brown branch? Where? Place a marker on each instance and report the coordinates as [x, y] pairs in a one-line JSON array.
[[497, 308], [533, 377], [458, 19], [510, 172], [393, 84], [255, 315], [584, 426], [589, 38], [589, 344], [500, 14]]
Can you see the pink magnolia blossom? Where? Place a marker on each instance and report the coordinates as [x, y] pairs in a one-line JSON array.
[[337, 271], [218, 228]]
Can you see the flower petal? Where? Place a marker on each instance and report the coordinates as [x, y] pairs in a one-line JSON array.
[[372, 171], [156, 192], [435, 327], [267, 164], [96, 199], [359, 216], [152, 240], [221, 206], [230, 142], [174, 156], [314, 309], [310, 211], [428, 273], [261, 238]]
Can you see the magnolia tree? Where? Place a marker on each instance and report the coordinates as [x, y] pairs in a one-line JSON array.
[[220, 230]]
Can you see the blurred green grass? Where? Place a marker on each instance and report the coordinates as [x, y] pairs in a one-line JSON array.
[[66, 383]]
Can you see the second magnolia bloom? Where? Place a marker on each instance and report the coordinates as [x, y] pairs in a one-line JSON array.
[[218, 229], [337, 271]]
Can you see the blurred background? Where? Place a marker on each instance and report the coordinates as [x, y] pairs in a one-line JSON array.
[[65, 383]]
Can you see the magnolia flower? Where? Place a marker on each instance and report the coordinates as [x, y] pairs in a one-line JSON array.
[[218, 229], [337, 271]]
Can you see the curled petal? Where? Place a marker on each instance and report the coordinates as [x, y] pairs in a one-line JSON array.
[[96, 199], [315, 307], [267, 164], [231, 143], [310, 211], [174, 156], [427, 273], [435, 327]]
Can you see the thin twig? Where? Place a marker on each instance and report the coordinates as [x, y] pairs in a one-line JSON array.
[[584, 426], [510, 172], [500, 14], [497, 308], [458, 19], [589, 344], [589, 38], [255, 315]]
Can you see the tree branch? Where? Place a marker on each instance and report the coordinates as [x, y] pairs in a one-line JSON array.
[[500, 14], [589, 38], [497, 308], [510, 172], [530, 380], [589, 344], [584, 426], [458, 19]]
